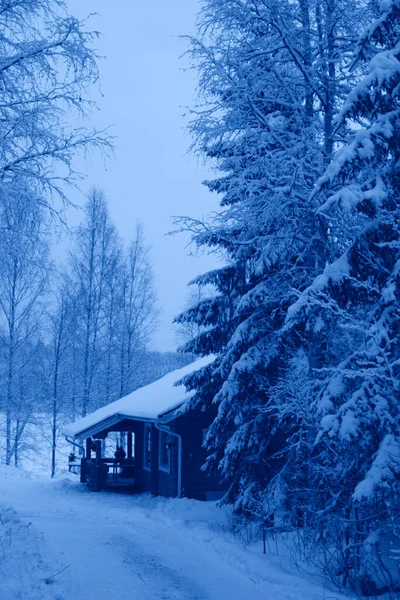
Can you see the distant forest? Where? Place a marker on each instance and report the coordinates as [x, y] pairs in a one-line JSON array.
[[74, 338]]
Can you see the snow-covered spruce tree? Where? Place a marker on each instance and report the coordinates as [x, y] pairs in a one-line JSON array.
[[260, 125], [352, 312]]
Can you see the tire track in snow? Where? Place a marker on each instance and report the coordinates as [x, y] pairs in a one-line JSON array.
[[172, 584]]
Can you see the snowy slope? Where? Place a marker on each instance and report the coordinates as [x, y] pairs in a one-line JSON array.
[[118, 546], [26, 562]]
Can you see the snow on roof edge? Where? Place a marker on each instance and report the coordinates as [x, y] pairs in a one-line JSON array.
[[146, 403]]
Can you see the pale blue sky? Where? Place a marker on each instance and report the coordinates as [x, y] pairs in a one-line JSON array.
[[151, 177]]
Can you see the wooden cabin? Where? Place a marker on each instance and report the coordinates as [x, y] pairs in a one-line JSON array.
[[164, 443]]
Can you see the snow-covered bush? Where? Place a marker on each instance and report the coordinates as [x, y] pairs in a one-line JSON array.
[[24, 564]]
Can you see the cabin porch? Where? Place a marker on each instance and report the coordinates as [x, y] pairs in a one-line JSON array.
[[110, 472]]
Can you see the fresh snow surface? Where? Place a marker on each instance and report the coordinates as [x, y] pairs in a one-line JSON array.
[[127, 547], [148, 402]]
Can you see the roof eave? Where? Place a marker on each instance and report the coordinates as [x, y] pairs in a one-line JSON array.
[[117, 418], [171, 415], [105, 424]]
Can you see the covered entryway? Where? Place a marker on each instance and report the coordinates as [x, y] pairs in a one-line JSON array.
[[105, 472], [114, 471]]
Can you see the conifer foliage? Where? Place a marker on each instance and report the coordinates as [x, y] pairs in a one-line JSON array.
[[356, 458], [303, 126], [265, 145]]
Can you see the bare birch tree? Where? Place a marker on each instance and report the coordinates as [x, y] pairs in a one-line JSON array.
[[91, 262], [139, 313], [60, 339], [24, 270], [112, 315], [47, 65]]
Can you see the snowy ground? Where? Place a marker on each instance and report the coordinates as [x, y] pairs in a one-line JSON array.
[[128, 547]]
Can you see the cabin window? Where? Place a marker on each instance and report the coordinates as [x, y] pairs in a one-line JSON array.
[[164, 459], [147, 448]]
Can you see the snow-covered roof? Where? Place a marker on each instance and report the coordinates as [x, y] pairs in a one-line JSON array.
[[146, 403]]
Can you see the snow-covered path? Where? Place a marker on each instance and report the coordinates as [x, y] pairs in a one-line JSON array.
[[129, 547]]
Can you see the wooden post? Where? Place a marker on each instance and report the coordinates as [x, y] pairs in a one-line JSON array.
[[83, 476], [129, 444], [98, 466], [98, 452], [88, 449]]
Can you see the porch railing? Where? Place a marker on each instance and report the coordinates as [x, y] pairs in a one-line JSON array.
[[97, 474]]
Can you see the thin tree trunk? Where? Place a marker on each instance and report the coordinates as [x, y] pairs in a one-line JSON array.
[[10, 374], [54, 420], [330, 91], [305, 14], [16, 444], [9, 402]]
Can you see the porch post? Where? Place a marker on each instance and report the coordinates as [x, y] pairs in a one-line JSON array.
[[84, 461], [88, 449], [98, 452], [99, 474], [129, 444]]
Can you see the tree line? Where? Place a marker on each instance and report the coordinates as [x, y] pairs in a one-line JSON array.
[[76, 337], [298, 112]]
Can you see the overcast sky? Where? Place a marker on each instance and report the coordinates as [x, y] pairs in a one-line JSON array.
[[151, 177]]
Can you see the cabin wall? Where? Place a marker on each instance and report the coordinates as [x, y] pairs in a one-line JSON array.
[[168, 482], [157, 481], [195, 482], [154, 462], [145, 479]]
